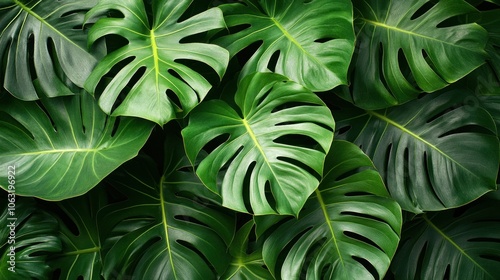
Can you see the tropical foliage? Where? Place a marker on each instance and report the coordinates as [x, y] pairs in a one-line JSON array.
[[249, 139]]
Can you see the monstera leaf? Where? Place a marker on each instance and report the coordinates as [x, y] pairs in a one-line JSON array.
[[434, 153], [403, 49], [169, 227], [33, 238], [80, 257], [266, 171], [246, 266], [456, 244], [153, 61], [311, 42], [62, 147], [348, 229], [490, 20], [37, 38]]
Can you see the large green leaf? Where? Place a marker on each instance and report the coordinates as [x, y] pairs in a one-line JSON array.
[[434, 153], [81, 246], [34, 238], [267, 172], [311, 42], [455, 244], [39, 37], [168, 227], [62, 147], [246, 265], [153, 61], [348, 229], [403, 52]]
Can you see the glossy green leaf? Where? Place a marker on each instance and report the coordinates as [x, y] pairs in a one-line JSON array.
[[62, 147], [490, 20], [39, 37], [434, 153], [246, 265], [168, 227], [33, 238], [456, 244], [152, 63], [402, 52], [81, 246], [310, 42], [348, 229], [267, 172]]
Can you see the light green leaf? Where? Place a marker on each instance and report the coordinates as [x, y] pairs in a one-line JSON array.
[[34, 238], [434, 153], [168, 227], [62, 147], [267, 171], [246, 265], [39, 37], [152, 61], [348, 229], [456, 244], [310, 43], [402, 52]]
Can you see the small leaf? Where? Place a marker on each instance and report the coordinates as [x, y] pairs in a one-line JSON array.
[[152, 61], [348, 229], [264, 162], [313, 42], [62, 147], [434, 153]]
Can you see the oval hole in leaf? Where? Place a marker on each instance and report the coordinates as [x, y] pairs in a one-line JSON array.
[[423, 9], [192, 248]]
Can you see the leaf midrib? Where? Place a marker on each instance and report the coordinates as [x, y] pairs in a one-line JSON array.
[[394, 28], [448, 239], [329, 224], [165, 226]]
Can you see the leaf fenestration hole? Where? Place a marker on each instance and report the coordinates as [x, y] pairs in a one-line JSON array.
[[216, 142], [423, 9], [199, 253], [172, 97], [302, 166], [269, 195], [273, 61], [324, 39], [246, 187], [368, 266]]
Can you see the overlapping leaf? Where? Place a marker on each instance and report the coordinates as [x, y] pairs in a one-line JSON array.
[[266, 171], [402, 52], [348, 229], [62, 147], [37, 38], [33, 238], [434, 153], [311, 42], [455, 244], [152, 61], [168, 227]]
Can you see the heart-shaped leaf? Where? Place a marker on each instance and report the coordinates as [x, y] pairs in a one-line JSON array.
[[311, 42], [62, 147], [37, 38], [403, 49], [152, 61], [267, 170], [348, 229], [456, 244], [168, 227], [434, 153]]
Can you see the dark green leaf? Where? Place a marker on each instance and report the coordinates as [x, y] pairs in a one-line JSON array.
[[403, 52], [434, 153], [267, 171], [39, 37], [456, 244], [348, 229]]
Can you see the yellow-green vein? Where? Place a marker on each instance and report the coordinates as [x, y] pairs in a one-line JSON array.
[[165, 226], [329, 223]]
